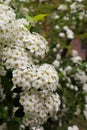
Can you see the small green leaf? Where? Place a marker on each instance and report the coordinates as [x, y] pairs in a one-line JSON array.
[[31, 22], [30, 19], [40, 17]]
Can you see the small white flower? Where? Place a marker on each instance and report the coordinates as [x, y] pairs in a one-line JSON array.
[[76, 59], [58, 57], [74, 127], [68, 69], [56, 63], [85, 87], [62, 7], [85, 111], [57, 27], [74, 53], [61, 34]]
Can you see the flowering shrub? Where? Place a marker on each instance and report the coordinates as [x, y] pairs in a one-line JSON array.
[[38, 92], [33, 86], [73, 89]]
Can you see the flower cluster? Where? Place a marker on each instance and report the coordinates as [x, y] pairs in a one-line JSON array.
[[38, 108], [72, 83], [39, 102], [37, 45], [37, 83], [69, 19]]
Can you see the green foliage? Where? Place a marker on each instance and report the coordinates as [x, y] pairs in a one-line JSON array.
[[39, 17], [73, 100], [13, 124], [35, 19]]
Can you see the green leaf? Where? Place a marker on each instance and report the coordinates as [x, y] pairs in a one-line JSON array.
[[40, 17], [33, 20], [30, 19]]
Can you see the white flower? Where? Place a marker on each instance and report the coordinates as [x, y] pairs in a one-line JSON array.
[[58, 57], [74, 53], [62, 7], [38, 107], [24, 77], [81, 76], [47, 78], [81, 15], [57, 17], [24, 10], [37, 128], [57, 45], [78, 111], [16, 57], [56, 63], [57, 27], [85, 87], [65, 28], [69, 32], [76, 59], [66, 18], [74, 127], [73, 6], [85, 111], [61, 34], [68, 69], [55, 49], [37, 45]]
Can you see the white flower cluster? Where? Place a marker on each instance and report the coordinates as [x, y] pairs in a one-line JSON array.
[[75, 77], [38, 82], [37, 45], [37, 108], [43, 78], [14, 32], [78, 76], [39, 101], [75, 57], [67, 77], [56, 62], [15, 57], [81, 76], [67, 16], [69, 32], [7, 20]]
